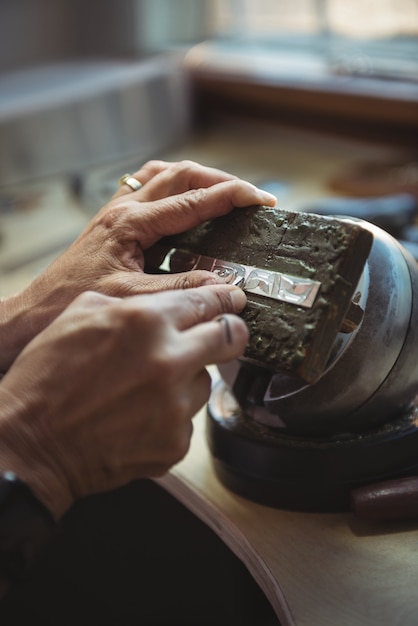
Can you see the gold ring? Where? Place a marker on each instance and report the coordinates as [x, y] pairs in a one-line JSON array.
[[128, 179]]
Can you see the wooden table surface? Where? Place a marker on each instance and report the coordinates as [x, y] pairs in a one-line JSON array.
[[315, 569]]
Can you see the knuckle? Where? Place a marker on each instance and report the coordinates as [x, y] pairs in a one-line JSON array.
[[182, 282], [189, 280], [153, 165], [91, 299], [163, 366], [206, 382], [132, 323], [180, 407], [176, 441], [194, 197], [113, 214], [180, 444], [193, 202], [205, 303], [185, 166], [128, 317], [178, 400], [223, 300], [179, 450], [198, 305]]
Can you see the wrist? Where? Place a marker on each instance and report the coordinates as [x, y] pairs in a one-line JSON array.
[[22, 317], [45, 488], [17, 327], [25, 451], [12, 330]]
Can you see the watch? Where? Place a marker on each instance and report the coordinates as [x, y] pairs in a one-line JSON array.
[[26, 527]]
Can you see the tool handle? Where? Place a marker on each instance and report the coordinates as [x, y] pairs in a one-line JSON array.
[[395, 499]]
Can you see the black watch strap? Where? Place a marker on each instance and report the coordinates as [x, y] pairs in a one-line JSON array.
[[26, 526]]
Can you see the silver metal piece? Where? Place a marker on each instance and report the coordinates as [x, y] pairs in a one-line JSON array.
[[276, 285]]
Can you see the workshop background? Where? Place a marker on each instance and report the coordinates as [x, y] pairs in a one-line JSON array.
[[309, 99]]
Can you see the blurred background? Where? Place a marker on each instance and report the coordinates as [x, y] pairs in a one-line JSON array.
[[91, 88], [314, 100], [79, 81]]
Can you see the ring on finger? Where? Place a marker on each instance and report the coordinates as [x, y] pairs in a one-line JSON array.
[[128, 179]]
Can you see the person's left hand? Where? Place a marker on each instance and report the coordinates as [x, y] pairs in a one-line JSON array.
[[174, 197], [108, 255]]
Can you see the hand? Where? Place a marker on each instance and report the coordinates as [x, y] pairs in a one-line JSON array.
[[106, 393], [108, 255]]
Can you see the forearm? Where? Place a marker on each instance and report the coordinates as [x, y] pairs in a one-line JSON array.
[[30, 495], [27, 447], [15, 329], [24, 315]]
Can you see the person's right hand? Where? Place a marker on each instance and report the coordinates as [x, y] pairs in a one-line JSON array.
[[106, 393]]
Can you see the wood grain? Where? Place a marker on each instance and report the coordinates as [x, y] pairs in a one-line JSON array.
[[315, 569]]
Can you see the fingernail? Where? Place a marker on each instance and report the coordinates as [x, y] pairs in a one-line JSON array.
[[224, 321], [239, 299], [267, 198]]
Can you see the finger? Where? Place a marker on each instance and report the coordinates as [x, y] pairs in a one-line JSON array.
[[217, 341], [151, 168], [187, 308], [202, 383], [190, 173], [138, 283], [178, 178], [91, 300], [173, 442], [143, 175], [179, 213], [205, 303], [165, 179]]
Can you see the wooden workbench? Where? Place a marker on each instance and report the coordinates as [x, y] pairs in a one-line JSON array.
[[315, 569]]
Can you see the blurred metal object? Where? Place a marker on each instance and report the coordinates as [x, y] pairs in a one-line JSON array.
[[66, 117], [378, 177], [391, 212]]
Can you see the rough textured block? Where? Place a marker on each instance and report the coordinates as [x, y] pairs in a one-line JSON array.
[[283, 336]]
